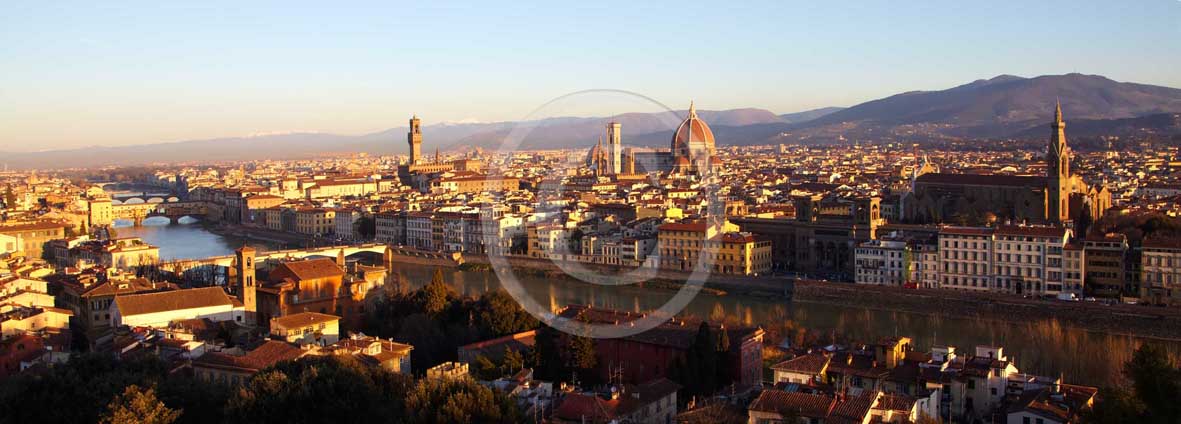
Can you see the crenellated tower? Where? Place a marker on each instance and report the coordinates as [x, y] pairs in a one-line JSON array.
[[414, 138]]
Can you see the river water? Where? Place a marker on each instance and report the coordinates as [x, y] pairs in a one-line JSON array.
[[187, 240], [1041, 347]]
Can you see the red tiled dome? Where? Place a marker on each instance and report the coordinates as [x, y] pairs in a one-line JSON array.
[[692, 131]]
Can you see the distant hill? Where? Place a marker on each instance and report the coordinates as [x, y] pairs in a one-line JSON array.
[[549, 133], [808, 115], [1166, 125], [997, 107], [1005, 106]]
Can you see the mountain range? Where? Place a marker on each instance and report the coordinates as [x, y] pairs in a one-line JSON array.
[[1005, 106]]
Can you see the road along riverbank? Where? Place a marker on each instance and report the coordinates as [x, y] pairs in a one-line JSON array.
[[1131, 320]]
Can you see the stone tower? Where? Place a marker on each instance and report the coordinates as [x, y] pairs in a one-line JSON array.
[[1058, 171], [414, 138], [614, 148], [247, 287], [629, 164]]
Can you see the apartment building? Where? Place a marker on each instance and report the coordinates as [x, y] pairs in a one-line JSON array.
[[1160, 272], [965, 258], [315, 221], [884, 262], [1028, 259], [391, 228], [1104, 265], [418, 230], [681, 245]]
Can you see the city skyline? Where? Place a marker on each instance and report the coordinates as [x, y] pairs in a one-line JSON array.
[[85, 75]]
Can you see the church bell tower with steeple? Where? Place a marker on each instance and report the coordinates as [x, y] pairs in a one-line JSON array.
[[1058, 170]]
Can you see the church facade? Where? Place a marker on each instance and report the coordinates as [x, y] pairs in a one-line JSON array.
[[691, 151], [1058, 197]]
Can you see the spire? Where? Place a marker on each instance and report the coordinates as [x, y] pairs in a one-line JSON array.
[[1057, 110], [692, 110]]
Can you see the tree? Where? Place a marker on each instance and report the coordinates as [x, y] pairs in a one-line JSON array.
[[697, 372], [319, 389], [1152, 398], [581, 355], [486, 369], [138, 406], [9, 197], [458, 401], [513, 361], [547, 354], [366, 227], [86, 383], [1156, 382], [500, 315], [436, 296], [722, 355]]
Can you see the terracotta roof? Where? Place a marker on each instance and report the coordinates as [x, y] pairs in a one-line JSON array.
[[968, 231], [1031, 230], [31, 226], [360, 345], [522, 339], [586, 407], [695, 227], [812, 363], [848, 363], [302, 319], [174, 300], [309, 269], [1162, 243], [895, 402], [269, 353], [983, 180], [806, 405], [853, 409]]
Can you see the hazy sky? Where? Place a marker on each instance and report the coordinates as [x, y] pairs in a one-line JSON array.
[[106, 73]]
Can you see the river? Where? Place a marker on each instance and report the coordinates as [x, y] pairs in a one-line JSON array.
[[1042, 347], [187, 240]]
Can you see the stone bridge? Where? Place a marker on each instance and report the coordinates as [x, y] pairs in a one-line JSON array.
[[180, 266], [174, 210]]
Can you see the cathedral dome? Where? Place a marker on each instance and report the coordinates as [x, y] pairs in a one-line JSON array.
[[692, 135]]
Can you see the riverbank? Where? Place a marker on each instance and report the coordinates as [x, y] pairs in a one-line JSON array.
[[261, 234], [1125, 320], [1130, 320]]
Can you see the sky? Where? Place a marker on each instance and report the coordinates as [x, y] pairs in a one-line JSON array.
[[76, 74]]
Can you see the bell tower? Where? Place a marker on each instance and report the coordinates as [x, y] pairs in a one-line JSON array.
[[247, 287], [614, 148], [1058, 170], [414, 139]]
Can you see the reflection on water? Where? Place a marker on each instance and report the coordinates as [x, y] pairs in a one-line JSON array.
[[187, 240], [1041, 347]]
